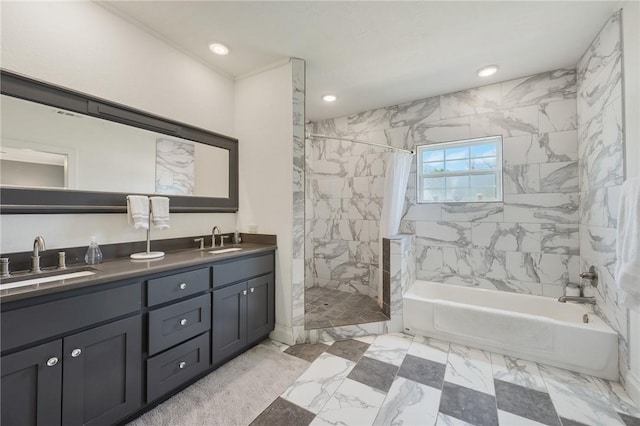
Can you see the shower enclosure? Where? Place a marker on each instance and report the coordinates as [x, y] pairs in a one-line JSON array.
[[345, 182]]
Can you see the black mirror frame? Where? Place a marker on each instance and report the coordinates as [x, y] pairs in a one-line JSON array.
[[21, 200]]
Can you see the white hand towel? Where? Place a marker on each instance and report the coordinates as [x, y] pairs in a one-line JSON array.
[[138, 211], [160, 212], [628, 245]]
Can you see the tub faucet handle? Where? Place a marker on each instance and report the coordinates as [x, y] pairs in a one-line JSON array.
[[4, 264], [591, 275]]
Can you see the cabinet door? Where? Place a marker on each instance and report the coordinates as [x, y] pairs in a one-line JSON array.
[[229, 321], [102, 380], [260, 307], [31, 383]]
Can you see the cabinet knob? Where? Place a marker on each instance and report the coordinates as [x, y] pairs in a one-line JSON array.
[[182, 364], [183, 286], [252, 289], [52, 361], [244, 292], [76, 353], [183, 321]]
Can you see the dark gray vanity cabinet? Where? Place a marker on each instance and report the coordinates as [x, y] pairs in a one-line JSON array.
[[243, 312], [89, 374], [178, 332], [102, 375], [88, 378], [100, 355], [260, 307], [229, 321], [30, 387]]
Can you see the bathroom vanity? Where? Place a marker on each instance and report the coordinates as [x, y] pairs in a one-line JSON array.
[[101, 349]]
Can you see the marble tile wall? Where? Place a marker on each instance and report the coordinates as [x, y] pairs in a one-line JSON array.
[[601, 168], [529, 243], [344, 200], [298, 186]]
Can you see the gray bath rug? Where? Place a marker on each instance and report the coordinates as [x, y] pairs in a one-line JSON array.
[[234, 394]]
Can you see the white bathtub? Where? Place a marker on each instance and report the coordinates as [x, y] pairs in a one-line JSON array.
[[536, 328]]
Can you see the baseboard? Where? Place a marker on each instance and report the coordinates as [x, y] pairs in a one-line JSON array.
[[283, 334], [632, 386]]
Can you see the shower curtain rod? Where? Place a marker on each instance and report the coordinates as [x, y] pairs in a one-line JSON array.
[[314, 135]]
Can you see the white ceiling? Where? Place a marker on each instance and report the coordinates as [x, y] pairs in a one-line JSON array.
[[373, 54]]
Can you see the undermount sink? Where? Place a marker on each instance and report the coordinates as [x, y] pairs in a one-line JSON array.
[[33, 279], [228, 250]]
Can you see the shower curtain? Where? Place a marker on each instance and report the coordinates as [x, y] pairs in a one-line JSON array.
[[395, 187]]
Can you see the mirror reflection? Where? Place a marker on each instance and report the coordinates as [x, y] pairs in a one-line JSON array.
[[46, 147]]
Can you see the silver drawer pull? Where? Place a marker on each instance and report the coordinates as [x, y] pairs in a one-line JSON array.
[[183, 286], [76, 353], [244, 292], [52, 361], [182, 364], [183, 321], [252, 289]]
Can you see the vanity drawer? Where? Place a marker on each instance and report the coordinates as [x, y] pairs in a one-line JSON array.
[[42, 321], [176, 323], [176, 366], [238, 270], [177, 286]]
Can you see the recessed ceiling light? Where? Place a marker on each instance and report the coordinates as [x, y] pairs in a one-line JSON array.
[[219, 49], [329, 98], [487, 71]]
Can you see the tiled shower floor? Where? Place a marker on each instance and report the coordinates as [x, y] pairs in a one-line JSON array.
[[325, 308], [397, 379]]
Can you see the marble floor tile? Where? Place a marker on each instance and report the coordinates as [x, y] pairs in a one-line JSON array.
[[618, 397], [444, 420], [374, 373], [350, 349], [471, 368], [366, 339], [568, 422], [517, 371], [429, 348], [629, 420], [403, 375], [524, 402], [316, 385], [468, 405], [409, 403], [577, 397], [282, 412], [353, 403], [307, 351], [423, 371], [509, 419], [390, 348]]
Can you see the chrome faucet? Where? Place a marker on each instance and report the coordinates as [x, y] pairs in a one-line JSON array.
[[38, 244], [213, 237], [579, 299]]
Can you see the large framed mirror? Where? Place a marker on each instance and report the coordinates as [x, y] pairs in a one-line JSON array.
[[67, 152]]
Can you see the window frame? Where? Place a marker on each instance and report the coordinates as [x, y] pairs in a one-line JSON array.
[[498, 171]]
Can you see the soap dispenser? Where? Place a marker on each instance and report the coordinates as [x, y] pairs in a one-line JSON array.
[[94, 254]]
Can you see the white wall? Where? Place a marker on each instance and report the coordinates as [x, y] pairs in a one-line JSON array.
[[631, 70], [85, 47], [265, 129]]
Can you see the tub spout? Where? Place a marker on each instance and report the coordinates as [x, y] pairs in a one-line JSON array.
[[579, 299]]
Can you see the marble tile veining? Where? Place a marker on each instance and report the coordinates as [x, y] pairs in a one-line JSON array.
[[389, 348], [316, 386], [409, 403], [352, 403], [471, 368], [526, 393]]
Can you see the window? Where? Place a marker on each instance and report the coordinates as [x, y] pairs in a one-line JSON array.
[[461, 171]]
